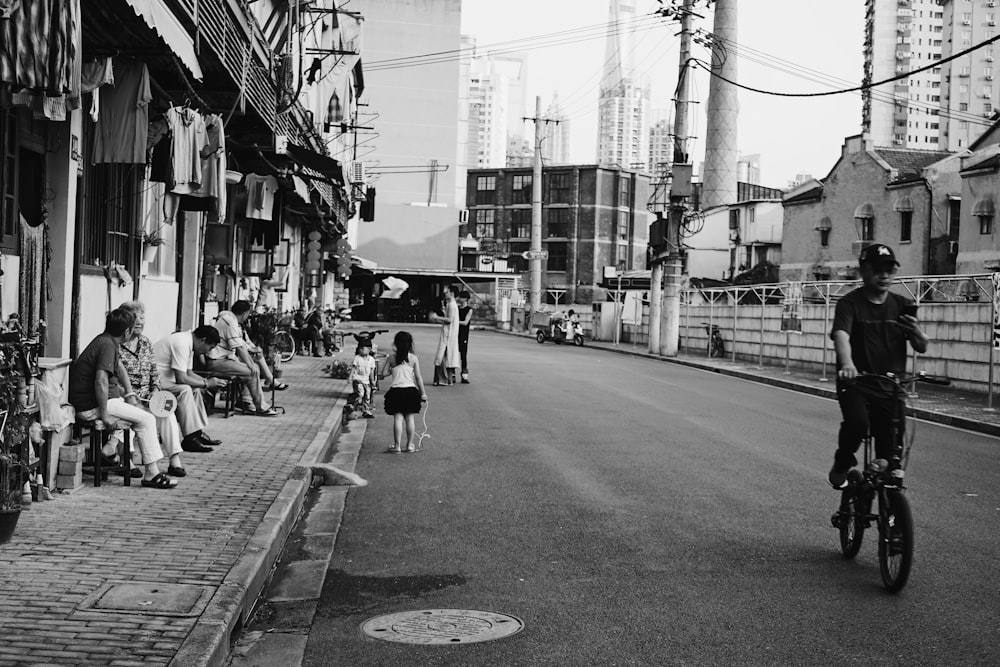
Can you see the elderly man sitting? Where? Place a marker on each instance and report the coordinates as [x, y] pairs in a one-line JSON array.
[[233, 358], [100, 389], [174, 361]]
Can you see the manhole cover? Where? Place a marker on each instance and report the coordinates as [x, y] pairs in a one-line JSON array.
[[442, 626], [149, 598]]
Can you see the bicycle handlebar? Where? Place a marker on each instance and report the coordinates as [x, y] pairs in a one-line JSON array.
[[908, 379]]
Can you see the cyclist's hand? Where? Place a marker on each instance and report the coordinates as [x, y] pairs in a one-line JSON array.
[[848, 373]]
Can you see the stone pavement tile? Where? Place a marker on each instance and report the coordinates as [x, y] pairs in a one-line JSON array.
[[65, 550]]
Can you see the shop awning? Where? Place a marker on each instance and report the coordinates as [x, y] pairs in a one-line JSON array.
[[163, 22], [865, 210], [983, 207], [326, 166]]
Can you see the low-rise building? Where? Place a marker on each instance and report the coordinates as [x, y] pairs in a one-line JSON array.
[[904, 198]]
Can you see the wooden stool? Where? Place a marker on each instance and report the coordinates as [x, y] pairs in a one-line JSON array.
[[98, 432]]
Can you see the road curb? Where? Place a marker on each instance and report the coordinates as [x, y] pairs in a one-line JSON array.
[[208, 643], [986, 428]]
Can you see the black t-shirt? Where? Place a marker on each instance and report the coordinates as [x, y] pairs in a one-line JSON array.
[[101, 356], [463, 329], [878, 344]]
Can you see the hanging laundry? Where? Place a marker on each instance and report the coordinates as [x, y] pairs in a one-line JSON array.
[[94, 75], [211, 195], [40, 50], [260, 196], [123, 125], [189, 139]]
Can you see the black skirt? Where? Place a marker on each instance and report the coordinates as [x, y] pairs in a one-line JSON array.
[[402, 400]]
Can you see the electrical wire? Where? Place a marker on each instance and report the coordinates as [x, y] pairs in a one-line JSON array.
[[521, 41], [864, 86], [495, 52]]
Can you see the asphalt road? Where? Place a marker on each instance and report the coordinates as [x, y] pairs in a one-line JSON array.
[[642, 513]]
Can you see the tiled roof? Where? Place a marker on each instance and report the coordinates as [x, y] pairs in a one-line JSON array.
[[909, 162]]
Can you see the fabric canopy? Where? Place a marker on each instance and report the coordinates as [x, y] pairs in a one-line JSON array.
[[903, 204], [866, 210], [325, 165], [983, 207], [163, 22]]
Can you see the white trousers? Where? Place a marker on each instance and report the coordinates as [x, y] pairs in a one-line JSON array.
[[144, 425]]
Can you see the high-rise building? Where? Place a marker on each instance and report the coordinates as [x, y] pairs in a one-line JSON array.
[[555, 135], [901, 36], [661, 143], [623, 132], [969, 102], [492, 105]]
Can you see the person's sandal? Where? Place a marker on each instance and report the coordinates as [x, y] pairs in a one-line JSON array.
[[393, 450], [161, 481], [176, 471], [270, 412]]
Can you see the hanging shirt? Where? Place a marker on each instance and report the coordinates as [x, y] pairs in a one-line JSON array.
[[189, 139], [213, 182], [260, 196], [122, 127]]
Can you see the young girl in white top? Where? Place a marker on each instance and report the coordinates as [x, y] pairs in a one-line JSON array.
[[406, 395]]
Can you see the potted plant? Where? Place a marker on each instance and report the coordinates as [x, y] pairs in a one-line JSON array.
[[13, 368], [151, 242]]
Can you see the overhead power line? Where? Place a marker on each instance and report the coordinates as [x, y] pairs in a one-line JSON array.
[[635, 25]]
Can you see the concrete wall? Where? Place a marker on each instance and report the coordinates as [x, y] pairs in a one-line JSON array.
[[418, 114]]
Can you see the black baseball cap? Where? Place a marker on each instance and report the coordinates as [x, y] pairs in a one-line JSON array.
[[877, 253]]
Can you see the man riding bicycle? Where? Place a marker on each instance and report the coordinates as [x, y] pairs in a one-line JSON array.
[[871, 327]]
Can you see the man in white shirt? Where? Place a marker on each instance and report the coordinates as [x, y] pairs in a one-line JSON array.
[[233, 358], [175, 360]]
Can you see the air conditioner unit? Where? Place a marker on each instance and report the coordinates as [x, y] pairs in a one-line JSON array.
[[987, 114], [966, 22], [952, 247], [858, 246], [989, 59], [898, 142], [357, 172], [989, 77]]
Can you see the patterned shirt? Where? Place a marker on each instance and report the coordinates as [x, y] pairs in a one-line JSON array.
[[141, 367]]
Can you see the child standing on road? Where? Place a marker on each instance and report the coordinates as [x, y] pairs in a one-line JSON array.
[[406, 395], [363, 378]]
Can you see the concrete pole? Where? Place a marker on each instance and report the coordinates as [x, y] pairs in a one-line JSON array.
[[669, 330], [535, 264], [721, 151]]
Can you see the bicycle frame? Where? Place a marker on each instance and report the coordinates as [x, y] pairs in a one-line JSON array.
[[882, 480]]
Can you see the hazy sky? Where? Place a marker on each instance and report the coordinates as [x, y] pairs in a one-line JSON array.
[[787, 46]]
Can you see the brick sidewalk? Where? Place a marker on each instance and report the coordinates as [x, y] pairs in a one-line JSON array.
[[945, 405], [218, 532]]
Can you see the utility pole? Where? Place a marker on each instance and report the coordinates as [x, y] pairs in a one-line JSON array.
[[664, 303], [535, 263]]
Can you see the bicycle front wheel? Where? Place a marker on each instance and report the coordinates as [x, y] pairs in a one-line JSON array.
[[895, 545], [851, 521], [284, 346]]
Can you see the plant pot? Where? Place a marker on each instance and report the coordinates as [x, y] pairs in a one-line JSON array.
[[149, 252], [8, 521]]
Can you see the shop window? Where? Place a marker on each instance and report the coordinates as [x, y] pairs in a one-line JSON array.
[[558, 255]]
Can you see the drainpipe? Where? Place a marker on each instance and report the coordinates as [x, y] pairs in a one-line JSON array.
[[930, 222], [575, 240]]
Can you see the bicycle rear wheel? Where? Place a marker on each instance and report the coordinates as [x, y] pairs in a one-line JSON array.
[[895, 545], [284, 346], [851, 521]]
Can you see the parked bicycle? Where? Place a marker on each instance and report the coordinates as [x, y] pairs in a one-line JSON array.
[[284, 343], [716, 346], [881, 480]]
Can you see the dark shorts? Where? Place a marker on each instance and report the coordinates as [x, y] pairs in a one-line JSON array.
[[402, 400]]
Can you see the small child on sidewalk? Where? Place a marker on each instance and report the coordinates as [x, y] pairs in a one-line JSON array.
[[363, 378], [406, 395]]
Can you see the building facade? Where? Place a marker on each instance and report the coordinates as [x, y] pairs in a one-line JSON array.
[[414, 166], [592, 217], [901, 36], [623, 104], [904, 198], [969, 92], [83, 185], [661, 144]]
